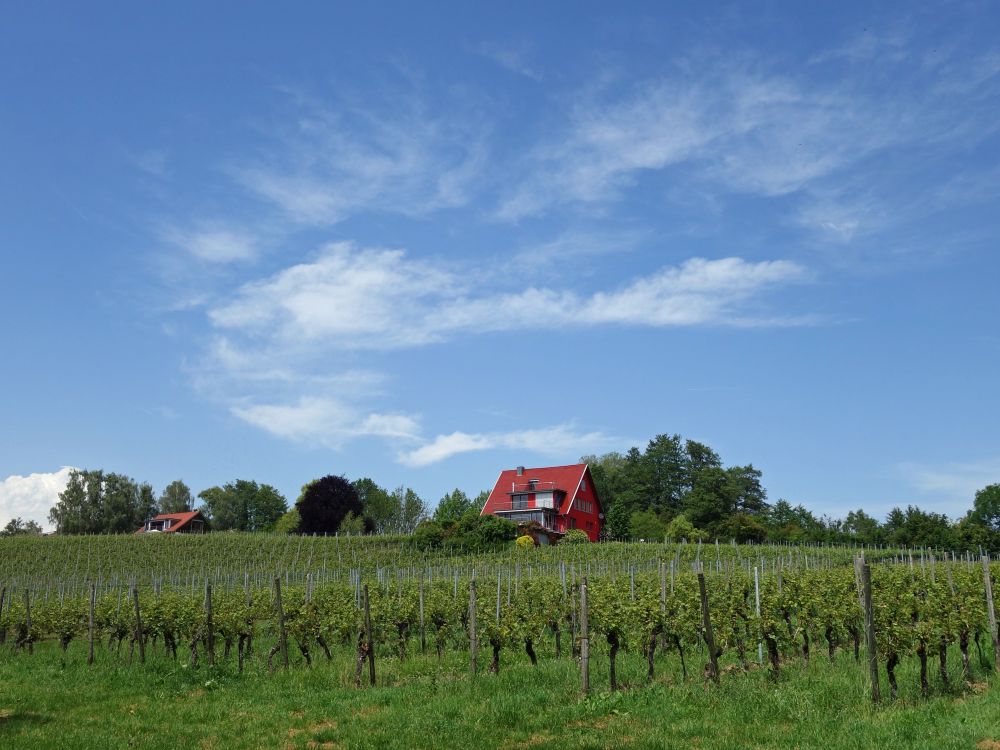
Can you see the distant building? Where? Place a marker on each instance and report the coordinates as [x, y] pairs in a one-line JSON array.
[[557, 498], [192, 522]]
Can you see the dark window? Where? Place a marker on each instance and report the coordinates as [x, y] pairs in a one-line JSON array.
[[518, 502]]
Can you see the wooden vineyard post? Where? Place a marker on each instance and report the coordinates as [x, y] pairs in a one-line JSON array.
[[138, 625], [90, 624], [473, 640], [866, 593], [368, 637], [584, 639], [713, 655], [209, 625], [423, 629], [3, 630], [756, 594], [991, 612], [27, 621], [282, 632]]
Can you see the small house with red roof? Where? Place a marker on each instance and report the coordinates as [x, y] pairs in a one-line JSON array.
[[191, 522], [557, 498]]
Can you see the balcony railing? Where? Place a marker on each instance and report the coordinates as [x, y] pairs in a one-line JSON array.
[[517, 487]]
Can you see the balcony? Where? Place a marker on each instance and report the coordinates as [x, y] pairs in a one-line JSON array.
[[532, 486]]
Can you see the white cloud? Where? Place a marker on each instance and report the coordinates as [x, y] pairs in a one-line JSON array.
[[31, 497], [216, 244], [350, 298], [561, 440], [325, 420]]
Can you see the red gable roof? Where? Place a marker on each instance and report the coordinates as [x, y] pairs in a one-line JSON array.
[[178, 520], [565, 478]]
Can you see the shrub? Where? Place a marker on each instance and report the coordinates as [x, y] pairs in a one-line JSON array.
[[428, 535], [575, 536], [525, 542]]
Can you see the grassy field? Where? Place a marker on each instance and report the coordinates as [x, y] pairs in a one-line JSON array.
[[47, 701]]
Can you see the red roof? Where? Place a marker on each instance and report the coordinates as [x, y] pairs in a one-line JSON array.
[[565, 478], [178, 520]]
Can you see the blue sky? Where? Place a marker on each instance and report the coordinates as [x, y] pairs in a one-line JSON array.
[[240, 241]]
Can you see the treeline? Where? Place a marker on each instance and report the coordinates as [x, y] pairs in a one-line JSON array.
[[681, 489], [99, 502]]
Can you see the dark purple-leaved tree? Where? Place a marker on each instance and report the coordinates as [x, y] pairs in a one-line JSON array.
[[325, 502]]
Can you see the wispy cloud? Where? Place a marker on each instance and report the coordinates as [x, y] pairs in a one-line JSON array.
[[514, 56], [215, 244], [31, 497], [380, 299], [957, 481], [327, 421], [340, 159], [560, 440]]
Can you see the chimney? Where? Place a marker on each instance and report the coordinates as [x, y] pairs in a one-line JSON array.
[[520, 471]]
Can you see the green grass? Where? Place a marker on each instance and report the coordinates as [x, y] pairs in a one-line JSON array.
[[49, 702]]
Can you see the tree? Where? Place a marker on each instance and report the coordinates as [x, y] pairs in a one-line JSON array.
[[19, 527], [98, 503], [411, 510], [452, 507], [243, 505], [379, 505], [645, 524], [325, 502], [861, 526], [986, 508], [176, 498]]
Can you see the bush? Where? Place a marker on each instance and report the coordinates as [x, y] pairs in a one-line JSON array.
[[428, 535], [525, 542], [288, 523], [682, 528], [575, 536]]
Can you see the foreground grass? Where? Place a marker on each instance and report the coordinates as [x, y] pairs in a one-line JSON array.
[[50, 702]]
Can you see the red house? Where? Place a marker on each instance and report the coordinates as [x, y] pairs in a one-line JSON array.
[[558, 498], [192, 522]]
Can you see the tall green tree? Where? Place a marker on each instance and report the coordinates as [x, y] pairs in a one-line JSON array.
[[452, 507], [243, 505], [986, 508], [412, 510], [378, 504], [95, 502], [176, 498]]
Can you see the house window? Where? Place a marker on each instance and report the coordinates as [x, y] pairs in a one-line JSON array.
[[519, 502], [583, 485], [584, 506]]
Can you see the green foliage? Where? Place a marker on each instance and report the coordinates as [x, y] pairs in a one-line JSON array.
[[645, 524], [453, 506], [525, 542], [575, 536], [243, 505], [682, 528], [18, 526], [98, 503], [428, 535], [352, 525], [176, 498], [288, 523], [986, 508]]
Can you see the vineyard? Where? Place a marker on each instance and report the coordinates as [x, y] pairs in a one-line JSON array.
[[702, 610]]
